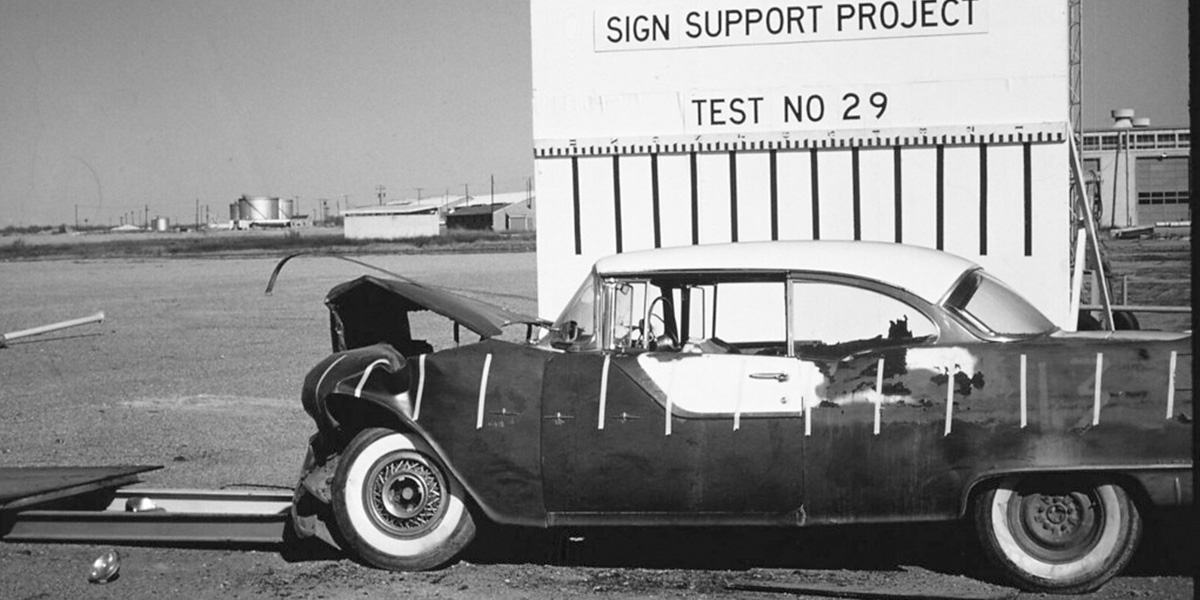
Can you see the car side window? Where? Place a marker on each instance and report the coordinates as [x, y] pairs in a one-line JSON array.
[[833, 320], [750, 312], [735, 317]]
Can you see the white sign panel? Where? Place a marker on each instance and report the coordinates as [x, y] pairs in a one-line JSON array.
[[933, 122]]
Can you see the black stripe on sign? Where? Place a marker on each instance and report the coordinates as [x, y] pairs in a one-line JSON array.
[[695, 204], [857, 194], [616, 170], [774, 200], [575, 200], [816, 200], [941, 197], [654, 200], [898, 180], [733, 212], [983, 199], [1028, 199]]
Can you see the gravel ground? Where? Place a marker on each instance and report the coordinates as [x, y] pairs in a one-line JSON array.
[[196, 369]]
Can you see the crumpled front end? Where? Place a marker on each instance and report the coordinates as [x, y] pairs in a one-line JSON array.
[[344, 394], [366, 382]]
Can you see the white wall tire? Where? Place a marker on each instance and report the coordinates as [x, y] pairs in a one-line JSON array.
[[1058, 534], [396, 506]]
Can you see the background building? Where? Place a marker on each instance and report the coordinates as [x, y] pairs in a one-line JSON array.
[[1140, 174], [513, 216], [391, 222]]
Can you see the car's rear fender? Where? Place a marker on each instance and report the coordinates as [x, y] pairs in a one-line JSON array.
[[1151, 486]]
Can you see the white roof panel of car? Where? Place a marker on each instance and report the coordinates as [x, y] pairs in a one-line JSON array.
[[924, 272]]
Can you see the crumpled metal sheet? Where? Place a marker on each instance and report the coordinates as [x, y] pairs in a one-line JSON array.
[[478, 316]]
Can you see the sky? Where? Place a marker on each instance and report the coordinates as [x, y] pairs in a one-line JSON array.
[[121, 109]]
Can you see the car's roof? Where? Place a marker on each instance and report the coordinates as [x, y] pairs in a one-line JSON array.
[[925, 272]]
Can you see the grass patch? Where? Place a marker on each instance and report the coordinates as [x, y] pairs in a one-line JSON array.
[[251, 244]]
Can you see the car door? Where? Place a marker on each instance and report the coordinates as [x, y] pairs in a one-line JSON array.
[[876, 447], [690, 432]]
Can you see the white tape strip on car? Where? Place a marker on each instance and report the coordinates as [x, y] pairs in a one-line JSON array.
[[878, 393], [737, 412], [603, 391], [1096, 403], [1024, 393], [367, 373], [420, 386], [949, 400], [317, 390], [487, 366], [667, 418], [1171, 386]]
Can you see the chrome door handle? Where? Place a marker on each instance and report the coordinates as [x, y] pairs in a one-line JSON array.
[[780, 377]]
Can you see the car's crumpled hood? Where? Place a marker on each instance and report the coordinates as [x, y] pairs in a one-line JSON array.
[[483, 318]]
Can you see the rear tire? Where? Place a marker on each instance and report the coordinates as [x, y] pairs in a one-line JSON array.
[[396, 506], [1058, 534]]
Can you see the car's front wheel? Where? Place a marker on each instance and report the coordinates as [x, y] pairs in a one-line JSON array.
[[1058, 534], [396, 506]]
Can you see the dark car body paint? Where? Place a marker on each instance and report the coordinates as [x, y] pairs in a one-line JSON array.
[[913, 470], [497, 462], [632, 472]]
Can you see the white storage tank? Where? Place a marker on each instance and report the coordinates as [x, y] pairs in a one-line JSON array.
[[258, 208], [287, 208]]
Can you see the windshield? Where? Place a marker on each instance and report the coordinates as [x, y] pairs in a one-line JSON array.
[[581, 311], [995, 308]]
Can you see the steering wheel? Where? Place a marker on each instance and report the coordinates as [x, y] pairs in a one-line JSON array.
[[651, 337]]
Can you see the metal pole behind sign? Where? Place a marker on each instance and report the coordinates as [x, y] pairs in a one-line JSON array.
[[1084, 206]]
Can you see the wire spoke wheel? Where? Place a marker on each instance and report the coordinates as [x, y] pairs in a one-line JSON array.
[[396, 506], [1058, 534], [405, 494]]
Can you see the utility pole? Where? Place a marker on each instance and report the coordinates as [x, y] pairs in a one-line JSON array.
[[146, 216], [197, 213], [76, 216], [493, 202], [419, 195]]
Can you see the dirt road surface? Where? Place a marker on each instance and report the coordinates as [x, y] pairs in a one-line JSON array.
[[197, 370]]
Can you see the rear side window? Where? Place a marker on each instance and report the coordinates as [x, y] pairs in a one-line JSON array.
[[833, 320], [995, 308]]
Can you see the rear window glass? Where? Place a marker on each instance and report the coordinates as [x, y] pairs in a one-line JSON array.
[[995, 308]]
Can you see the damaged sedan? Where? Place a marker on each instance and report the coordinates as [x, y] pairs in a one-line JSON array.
[[777, 384]]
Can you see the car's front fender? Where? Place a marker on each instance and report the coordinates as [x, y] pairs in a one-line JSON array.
[[376, 386]]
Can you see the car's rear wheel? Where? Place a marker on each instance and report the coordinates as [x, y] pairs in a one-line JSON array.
[[1059, 534], [396, 506]]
